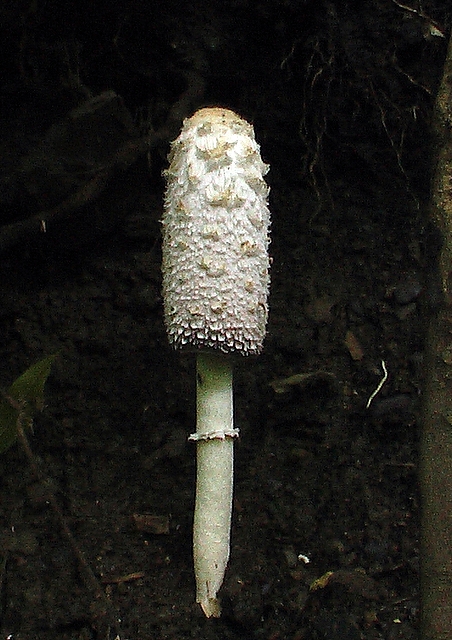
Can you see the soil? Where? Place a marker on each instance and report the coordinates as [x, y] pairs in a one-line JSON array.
[[326, 512]]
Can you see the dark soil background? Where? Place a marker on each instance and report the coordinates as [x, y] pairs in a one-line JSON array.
[[326, 514]]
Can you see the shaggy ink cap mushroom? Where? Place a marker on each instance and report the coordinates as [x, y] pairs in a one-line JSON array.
[[216, 236]]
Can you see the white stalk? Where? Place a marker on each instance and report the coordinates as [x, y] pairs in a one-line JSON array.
[[215, 452]]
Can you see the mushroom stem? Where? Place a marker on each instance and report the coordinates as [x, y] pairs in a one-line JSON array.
[[215, 457], [215, 268]]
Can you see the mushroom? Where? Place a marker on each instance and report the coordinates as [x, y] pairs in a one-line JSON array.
[[215, 287]]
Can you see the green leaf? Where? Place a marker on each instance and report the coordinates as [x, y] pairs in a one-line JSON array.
[[27, 391]]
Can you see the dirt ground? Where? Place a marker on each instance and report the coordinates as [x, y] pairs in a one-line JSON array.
[[326, 513]]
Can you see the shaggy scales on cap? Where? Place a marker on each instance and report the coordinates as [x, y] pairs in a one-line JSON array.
[[215, 236]]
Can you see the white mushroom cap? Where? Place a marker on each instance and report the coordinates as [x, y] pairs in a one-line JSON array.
[[215, 236]]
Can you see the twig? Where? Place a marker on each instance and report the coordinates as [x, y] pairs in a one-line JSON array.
[[380, 384], [407, 8], [434, 28], [125, 156], [103, 611], [121, 160]]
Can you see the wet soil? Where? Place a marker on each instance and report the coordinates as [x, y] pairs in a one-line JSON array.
[[326, 513]]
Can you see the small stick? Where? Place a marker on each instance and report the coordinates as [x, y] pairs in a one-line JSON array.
[[103, 612], [380, 384]]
